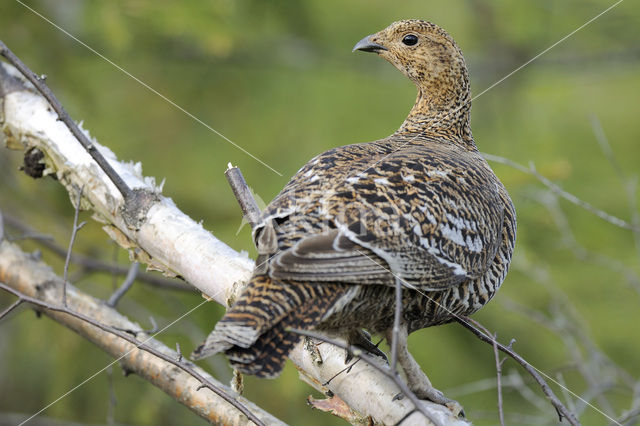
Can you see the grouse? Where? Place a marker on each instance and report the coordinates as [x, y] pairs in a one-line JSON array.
[[421, 206]]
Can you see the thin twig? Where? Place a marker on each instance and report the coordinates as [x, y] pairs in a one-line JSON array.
[[562, 411], [347, 368], [184, 366], [135, 333], [385, 370], [39, 84], [567, 395], [531, 170], [496, 354], [10, 308], [179, 351], [74, 232], [243, 194], [499, 363], [126, 285]]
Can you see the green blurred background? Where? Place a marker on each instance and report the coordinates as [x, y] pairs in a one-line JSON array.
[[279, 79]]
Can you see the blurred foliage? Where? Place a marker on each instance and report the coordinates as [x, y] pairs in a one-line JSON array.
[[278, 78]]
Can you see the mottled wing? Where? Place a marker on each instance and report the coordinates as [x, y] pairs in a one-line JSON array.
[[330, 257], [433, 223]]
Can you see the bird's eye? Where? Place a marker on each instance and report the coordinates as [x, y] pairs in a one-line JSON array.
[[410, 39]]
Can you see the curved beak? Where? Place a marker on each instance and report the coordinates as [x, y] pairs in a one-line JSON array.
[[366, 45]]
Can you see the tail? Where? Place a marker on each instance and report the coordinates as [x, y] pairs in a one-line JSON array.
[[253, 333]]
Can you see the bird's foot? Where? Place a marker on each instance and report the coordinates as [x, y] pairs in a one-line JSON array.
[[434, 395], [362, 340]]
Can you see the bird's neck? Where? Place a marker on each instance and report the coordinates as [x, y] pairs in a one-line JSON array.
[[441, 113]]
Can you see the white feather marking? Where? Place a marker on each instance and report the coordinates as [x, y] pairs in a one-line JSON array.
[[462, 223], [408, 178], [452, 234], [474, 244], [382, 181], [430, 246], [437, 173]]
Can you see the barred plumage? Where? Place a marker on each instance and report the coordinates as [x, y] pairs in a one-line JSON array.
[[421, 205]]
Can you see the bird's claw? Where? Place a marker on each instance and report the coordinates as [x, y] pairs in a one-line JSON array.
[[362, 340], [436, 396]]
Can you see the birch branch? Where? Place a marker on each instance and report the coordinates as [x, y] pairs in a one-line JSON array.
[[164, 238], [168, 240], [33, 279]]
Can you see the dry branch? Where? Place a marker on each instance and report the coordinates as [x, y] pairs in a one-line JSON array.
[[36, 280], [166, 239]]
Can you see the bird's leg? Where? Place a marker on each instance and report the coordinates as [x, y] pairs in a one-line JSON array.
[[417, 380], [362, 339]]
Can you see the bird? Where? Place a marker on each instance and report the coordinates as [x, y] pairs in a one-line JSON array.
[[420, 208]]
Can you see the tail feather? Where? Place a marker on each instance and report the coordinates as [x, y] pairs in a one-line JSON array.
[[267, 356], [254, 333]]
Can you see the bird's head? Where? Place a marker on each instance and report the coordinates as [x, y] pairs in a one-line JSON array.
[[426, 54], [421, 50]]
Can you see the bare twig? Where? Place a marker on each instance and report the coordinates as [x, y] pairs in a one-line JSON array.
[[345, 369], [567, 395], [135, 333], [179, 351], [10, 308], [562, 411], [531, 170], [496, 354], [74, 232], [186, 367], [39, 84], [384, 369], [243, 194], [126, 285]]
